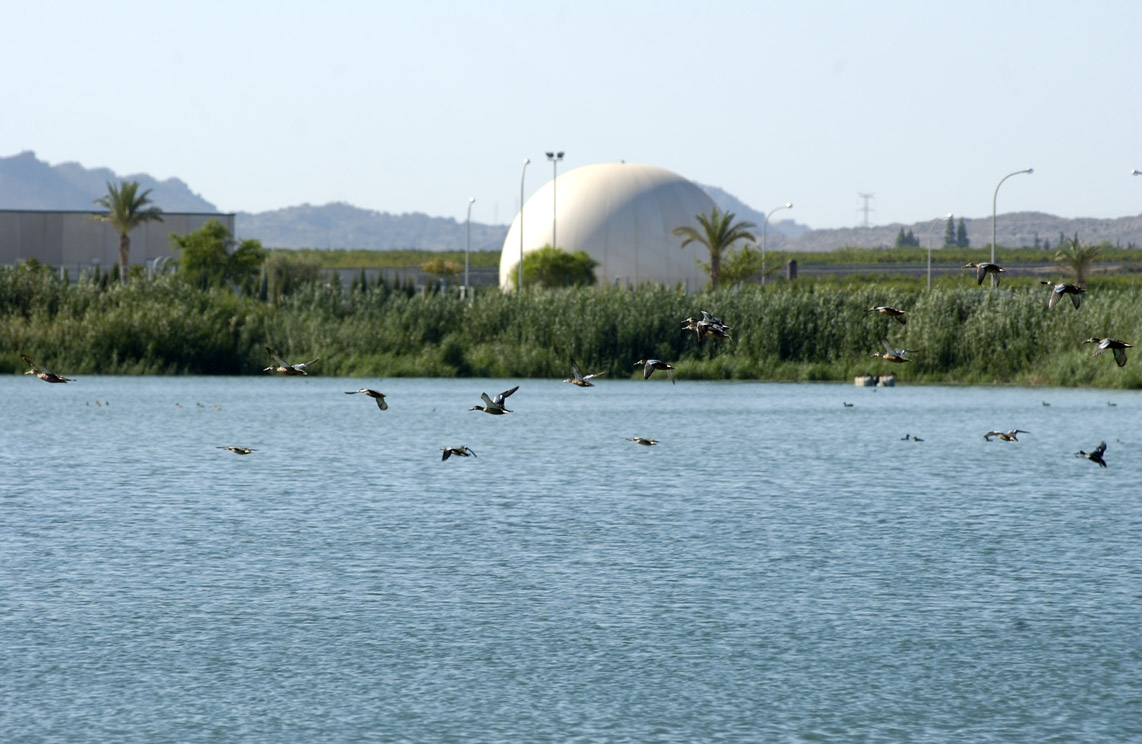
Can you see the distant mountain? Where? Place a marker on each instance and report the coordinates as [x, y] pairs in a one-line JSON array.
[[28, 183], [727, 202], [341, 225]]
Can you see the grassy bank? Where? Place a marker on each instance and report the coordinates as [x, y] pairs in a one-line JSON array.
[[962, 334]]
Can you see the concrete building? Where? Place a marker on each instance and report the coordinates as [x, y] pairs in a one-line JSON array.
[[622, 214], [74, 241]]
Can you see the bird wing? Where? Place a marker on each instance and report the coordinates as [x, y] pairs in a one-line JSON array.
[[447, 453], [470, 452], [281, 362], [1077, 299], [980, 273], [575, 371], [670, 374], [892, 351], [381, 404], [37, 366], [647, 369], [1100, 449], [591, 377], [489, 402], [303, 365], [1120, 357], [1053, 298], [499, 400], [991, 434]]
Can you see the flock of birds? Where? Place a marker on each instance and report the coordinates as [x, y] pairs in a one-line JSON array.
[[705, 326]]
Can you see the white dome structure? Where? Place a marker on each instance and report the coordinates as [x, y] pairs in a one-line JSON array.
[[622, 214]]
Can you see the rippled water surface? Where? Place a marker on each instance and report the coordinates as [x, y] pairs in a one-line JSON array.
[[779, 568]]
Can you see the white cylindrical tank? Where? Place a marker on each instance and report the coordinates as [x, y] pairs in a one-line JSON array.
[[622, 214]]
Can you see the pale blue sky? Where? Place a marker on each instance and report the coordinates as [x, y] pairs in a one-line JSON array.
[[415, 106]]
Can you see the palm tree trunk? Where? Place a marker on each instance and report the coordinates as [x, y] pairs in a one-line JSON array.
[[124, 255], [715, 269]]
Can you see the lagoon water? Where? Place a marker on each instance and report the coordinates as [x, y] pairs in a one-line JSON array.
[[781, 568]]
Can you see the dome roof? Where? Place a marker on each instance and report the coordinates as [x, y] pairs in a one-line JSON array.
[[622, 214]]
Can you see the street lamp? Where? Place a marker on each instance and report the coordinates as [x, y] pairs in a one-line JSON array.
[[931, 227], [521, 175], [554, 157], [994, 198], [764, 228], [468, 243]]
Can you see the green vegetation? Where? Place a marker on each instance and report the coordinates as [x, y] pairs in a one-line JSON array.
[[210, 256], [784, 331], [1077, 258], [552, 268], [126, 210], [366, 259], [718, 233]]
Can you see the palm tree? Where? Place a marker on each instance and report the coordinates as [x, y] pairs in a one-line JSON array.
[[718, 232], [1077, 257], [126, 210]]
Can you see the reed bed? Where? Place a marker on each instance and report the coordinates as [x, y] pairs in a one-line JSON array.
[[800, 332]]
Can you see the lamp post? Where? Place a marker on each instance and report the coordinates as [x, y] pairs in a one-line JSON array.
[[554, 157], [521, 175], [468, 243], [932, 227], [994, 199], [764, 229]]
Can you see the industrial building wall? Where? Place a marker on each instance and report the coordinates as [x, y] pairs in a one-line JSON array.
[[74, 240]]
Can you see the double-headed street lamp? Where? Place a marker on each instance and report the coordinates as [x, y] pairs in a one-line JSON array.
[[994, 198], [764, 227], [932, 227], [468, 243], [554, 157], [521, 175]]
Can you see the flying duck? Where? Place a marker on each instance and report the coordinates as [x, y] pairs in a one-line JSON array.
[[460, 451], [643, 440], [890, 312], [374, 394], [1096, 455], [896, 356], [580, 380], [649, 365], [285, 367], [1005, 436], [983, 269], [42, 372], [1058, 290], [494, 406], [1117, 347], [239, 450]]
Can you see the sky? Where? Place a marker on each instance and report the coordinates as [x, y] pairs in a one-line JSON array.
[[418, 106]]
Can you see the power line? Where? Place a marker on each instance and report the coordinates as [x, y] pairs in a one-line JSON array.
[[866, 209]]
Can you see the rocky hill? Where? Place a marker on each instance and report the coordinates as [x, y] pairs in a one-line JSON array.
[[29, 183]]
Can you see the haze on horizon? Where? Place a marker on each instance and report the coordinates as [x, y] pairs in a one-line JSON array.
[[417, 107]]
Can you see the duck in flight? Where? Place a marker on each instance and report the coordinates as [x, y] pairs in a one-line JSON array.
[[1095, 455], [285, 367], [460, 451], [376, 395], [239, 450], [43, 372], [1005, 436], [1059, 290], [708, 325], [1118, 348], [896, 356], [580, 380], [494, 406], [649, 365], [983, 269], [643, 440], [890, 312]]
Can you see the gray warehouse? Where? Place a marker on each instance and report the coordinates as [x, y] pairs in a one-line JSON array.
[[73, 240]]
